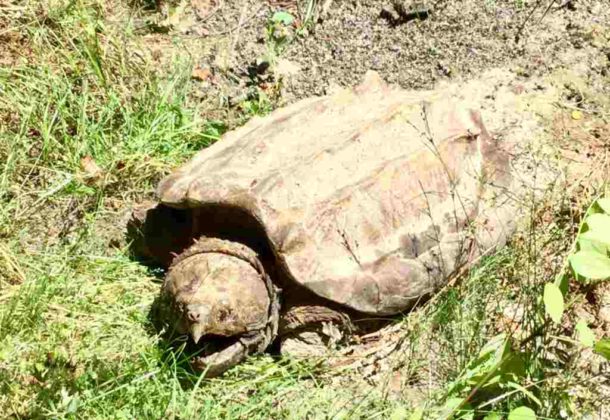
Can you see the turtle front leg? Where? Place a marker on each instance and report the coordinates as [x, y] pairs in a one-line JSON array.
[[308, 330]]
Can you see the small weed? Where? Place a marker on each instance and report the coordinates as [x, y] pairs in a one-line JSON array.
[[278, 35]]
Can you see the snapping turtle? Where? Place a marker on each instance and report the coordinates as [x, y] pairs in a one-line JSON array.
[[335, 208]]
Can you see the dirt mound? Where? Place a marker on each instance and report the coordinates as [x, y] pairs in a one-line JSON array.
[[414, 46]]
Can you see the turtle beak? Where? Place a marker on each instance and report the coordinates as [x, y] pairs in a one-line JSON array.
[[196, 331], [197, 317]]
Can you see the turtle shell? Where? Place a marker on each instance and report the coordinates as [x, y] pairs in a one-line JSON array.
[[371, 197]]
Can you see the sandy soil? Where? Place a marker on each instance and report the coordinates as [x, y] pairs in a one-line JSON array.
[[458, 39]]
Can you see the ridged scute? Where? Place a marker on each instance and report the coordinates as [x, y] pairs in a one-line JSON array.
[[372, 197]]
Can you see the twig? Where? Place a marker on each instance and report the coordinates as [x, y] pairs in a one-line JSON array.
[[551, 3], [239, 25], [529, 16], [210, 14]]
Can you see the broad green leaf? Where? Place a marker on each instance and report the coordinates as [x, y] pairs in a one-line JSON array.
[[446, 411], [452, 403], [563, 282], [491, 381], [465, 414], [591, 265], [596, 236], [399, 413], [553, 302], [417, 414], [514, 365], [604, 203], [487, 365], [498, 345], [493, 416], [585, 244], [525, 392], [584, 334], [599, 223], [603, 347], [522, 413], [449, 410], [283, 17]]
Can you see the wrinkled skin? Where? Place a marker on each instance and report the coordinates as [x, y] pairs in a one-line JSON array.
[[208, 291], [219, 289]]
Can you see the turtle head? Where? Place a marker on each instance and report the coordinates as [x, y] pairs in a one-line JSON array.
[[221, 297]]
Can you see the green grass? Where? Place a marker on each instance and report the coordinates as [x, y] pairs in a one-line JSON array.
[[75, 336]]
